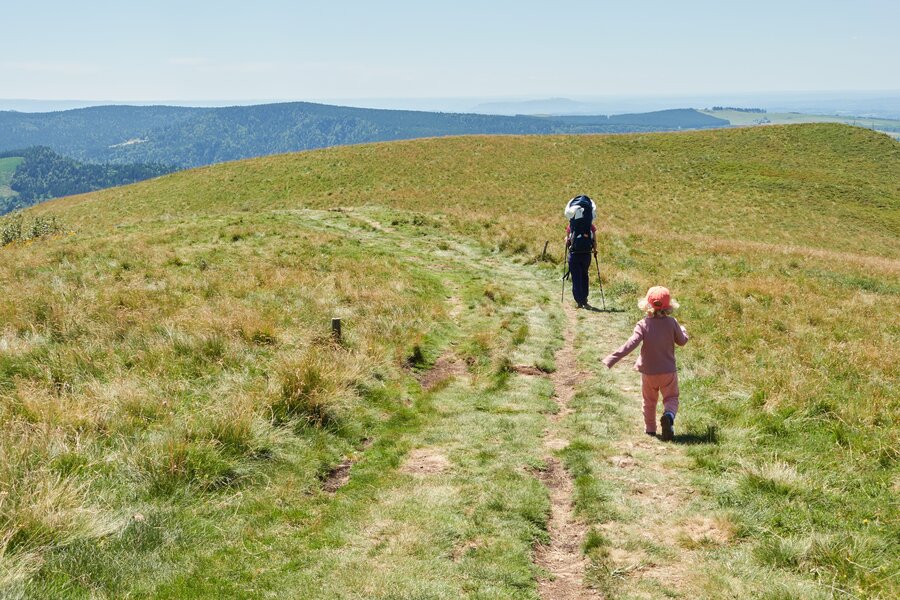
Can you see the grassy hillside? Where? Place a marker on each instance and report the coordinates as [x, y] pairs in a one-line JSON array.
[[737, 117], [820, 186], [171, 398]]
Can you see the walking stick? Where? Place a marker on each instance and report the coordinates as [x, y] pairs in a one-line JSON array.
[[600, 281], [562, 293]]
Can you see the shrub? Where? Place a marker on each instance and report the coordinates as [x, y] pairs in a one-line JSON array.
[[16, 229]]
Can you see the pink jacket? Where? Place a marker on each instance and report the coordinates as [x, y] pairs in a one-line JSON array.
[[659, 336]]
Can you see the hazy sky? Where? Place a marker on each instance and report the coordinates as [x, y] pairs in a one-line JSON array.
[[272, 49]]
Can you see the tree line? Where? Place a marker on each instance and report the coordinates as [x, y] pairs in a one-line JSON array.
[[44, 174]]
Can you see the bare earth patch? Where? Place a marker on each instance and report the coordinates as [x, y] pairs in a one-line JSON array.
[[425, 461], [623, 462], [531, 371], [337, 477], [702, 531], [445, 368], [556, 443]]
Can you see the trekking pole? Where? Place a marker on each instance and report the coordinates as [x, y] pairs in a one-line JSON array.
[[599, 280], [562, 293]]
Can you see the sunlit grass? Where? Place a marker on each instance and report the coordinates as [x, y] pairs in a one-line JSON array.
[[177, 346]]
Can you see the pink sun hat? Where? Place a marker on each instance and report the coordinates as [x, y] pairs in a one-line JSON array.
[[659, 298]]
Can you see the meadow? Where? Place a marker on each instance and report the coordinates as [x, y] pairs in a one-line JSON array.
[[7, 169], [737, 117], [740, 118], [168, 384]]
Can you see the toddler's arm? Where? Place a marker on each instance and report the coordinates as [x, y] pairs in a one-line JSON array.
[[626, 348], [681, 334]]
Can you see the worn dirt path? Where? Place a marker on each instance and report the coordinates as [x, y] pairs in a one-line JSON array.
[[563, 557], [658, 529]]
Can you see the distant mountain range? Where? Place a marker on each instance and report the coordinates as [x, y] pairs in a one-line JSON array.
[[189, 137], [883, 104], [52, 154]]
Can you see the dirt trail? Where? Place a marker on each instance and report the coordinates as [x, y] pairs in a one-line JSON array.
[[563, 557], [655, 547]]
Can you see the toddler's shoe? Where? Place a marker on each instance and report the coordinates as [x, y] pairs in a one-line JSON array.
[[668, 426], [651, 433]]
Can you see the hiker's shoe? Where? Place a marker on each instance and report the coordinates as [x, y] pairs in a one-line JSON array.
[[668, 426], [580, 305]]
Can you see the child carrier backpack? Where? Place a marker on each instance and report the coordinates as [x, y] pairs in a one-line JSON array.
[[580, 212]]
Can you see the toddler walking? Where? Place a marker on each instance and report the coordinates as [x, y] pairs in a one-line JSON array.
[[657, 333]]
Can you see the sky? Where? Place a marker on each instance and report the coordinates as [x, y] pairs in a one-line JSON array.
[[313, 50]]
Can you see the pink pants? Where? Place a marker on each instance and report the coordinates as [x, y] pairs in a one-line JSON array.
[[651, 387]]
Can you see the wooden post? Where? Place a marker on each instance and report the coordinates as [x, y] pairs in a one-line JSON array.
[[544, 253], [336, 329]]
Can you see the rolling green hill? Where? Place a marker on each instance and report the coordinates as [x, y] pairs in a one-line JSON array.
[[178, 422]]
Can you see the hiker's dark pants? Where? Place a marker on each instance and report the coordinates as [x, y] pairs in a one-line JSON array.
[[579, 265]]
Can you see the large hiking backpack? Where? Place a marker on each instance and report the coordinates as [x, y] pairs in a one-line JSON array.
[[580, 212]]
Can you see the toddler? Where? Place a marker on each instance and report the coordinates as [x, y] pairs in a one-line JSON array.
[[657, 333]]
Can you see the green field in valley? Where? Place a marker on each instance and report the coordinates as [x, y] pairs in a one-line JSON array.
[[176, 420], [8, 167], [741, 118]]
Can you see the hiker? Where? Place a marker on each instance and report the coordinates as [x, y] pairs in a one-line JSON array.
[[581, 242], [657, 333]]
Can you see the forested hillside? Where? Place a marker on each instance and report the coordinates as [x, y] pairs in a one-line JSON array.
[[42, 174], [188, 137]]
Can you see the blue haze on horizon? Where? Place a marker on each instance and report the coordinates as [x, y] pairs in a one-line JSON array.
[[204, 51]]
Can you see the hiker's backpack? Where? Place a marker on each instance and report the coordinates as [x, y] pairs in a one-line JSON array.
[[580, 212]]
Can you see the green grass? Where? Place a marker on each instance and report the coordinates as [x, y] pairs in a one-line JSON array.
[[169, 388], [737, 117], [8, 168], [282, 536]]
